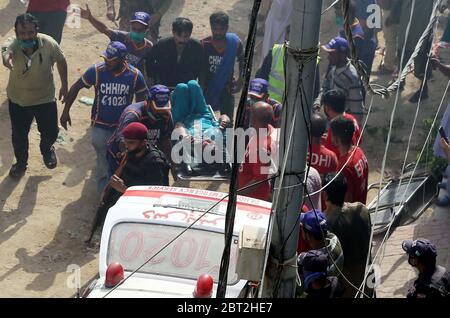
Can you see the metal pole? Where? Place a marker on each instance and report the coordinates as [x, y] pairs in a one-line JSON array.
[[280, 271]]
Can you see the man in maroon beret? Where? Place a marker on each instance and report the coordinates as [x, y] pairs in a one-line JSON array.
[[144, 164]]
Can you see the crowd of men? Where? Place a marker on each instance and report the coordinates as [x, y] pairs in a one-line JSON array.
[[148, 86]]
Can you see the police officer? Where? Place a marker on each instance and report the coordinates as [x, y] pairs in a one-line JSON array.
[[433, 280]]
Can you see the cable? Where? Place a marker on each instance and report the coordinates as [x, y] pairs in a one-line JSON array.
[[185, 230], [331, 6], [328, 250], [391, 123], [417, 112], [420, 156], [385, 92], [231, 207], [353, 151], [383, 164]]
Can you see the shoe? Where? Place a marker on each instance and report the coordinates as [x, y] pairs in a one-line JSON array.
[[442, 185], [415, 97], [17, 171], [50, 159]]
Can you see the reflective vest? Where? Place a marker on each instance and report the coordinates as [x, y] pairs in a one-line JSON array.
[[276, 76]]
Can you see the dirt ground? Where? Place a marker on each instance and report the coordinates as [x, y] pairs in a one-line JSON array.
[[45, 217]]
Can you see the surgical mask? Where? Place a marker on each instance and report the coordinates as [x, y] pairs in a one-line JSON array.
[[27, 44], [137, 37], [339, 20]]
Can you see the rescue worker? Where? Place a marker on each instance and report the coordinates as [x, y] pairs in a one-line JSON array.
[[433, 280], [315, 236], [312, 266], [259, 92], [116, 83], [138, 46], [156, 8], [155, 114], [272, 70]]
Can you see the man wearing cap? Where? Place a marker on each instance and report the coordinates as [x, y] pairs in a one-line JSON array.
[[363, 37], [155, 114], [352, 160], [313, 269], [314, 235], [156, 8], [176, 59], [143, 164], [116, 83], [134, 38], [259, 92], [433, 280], [30, 58], [343, 75]]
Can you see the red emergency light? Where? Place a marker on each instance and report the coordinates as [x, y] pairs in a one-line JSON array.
[[204, 286], [114, 275]]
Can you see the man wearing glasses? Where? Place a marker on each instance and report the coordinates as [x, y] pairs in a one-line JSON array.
[[31, 90]]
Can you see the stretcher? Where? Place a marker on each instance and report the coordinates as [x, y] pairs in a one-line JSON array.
[[401, 202], [189, 170], [203, 172]]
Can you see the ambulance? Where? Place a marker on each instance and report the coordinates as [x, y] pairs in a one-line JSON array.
[[145, 234]]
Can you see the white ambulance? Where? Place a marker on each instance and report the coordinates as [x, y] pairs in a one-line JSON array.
[[146, 218]]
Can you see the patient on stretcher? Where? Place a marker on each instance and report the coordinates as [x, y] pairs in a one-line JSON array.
[[201, 136]]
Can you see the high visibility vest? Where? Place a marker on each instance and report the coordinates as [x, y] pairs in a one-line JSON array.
[[276, 76]]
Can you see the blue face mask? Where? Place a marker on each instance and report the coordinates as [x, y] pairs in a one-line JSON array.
[[27, 44], [137, 37]]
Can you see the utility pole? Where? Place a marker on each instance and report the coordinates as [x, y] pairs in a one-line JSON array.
[[280, 271]]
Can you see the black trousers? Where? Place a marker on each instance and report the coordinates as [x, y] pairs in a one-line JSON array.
[[21, 119]]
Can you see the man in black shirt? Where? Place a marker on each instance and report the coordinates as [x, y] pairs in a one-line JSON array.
[[145, 165], [433, 280], [177, 59], [352, 225]]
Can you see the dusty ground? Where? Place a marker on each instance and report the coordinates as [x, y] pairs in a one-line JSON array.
[[45, 217]]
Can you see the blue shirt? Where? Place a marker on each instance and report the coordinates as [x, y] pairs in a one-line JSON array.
[[113, 92], [136, 55]]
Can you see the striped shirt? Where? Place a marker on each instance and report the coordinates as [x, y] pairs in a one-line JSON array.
[[346, 78]]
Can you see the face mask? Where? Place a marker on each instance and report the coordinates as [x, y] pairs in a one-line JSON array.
[[27, 44], [339, 20], [137, 37]]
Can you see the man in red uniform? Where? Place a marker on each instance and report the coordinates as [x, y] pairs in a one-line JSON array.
[[356, 171], [51, 15], [259, 157], [322, 158], [333, 102]]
